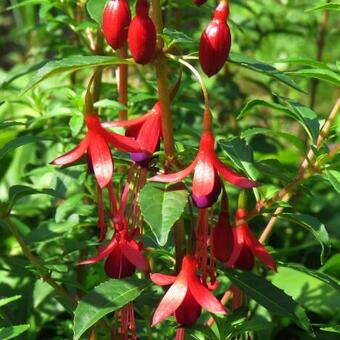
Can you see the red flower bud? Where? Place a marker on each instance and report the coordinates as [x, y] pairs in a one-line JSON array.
[[142, 34], [215, 41], [199, 2], [116, 20]]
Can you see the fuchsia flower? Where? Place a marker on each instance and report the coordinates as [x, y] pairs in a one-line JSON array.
[[96, 144], [146, 130], [222, 234], [215, 41], [247, 247], [123, 255], [186, 296], [142, 34], [199, 2], [206, 185], [116, 20]]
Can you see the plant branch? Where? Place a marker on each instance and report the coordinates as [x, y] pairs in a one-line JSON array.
[[167, 127], [36, 263], [320, 44], [286, 193], [123, 83]]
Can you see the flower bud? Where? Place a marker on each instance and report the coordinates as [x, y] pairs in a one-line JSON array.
[[215, 41], [142, 34], [116, 20], [199, 2]]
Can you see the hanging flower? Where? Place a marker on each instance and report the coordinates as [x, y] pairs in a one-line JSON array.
[[142, 34], [123, 255], [186, 296], [206, 185], [96, 144], [215, 41], [247, 247], [146, 130], [199, 2], [222, 234], [116, 20]]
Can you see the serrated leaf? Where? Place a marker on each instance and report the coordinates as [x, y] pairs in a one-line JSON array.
[[270, 297], [103, 299], [313, 225], [72, 63], [318, 275], [13, 331], [161, 207], [241, 154], [263, 68], [20, 141], [95, 9], [5, 301]]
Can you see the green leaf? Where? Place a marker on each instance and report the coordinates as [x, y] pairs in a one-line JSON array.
[[333, 329], [103, 299], [241, 154], [110, 104], [318, 275], [263, 68], [161, 207], [329, 6], [5, 301], [318, 73], [20, 141], [270, 297], [72, 63], [173, 37], [333, 177], [304, 115], [9, 123], [313, 225], [13, 331], [95, 9], [306, 62], [307, 118], [17, 192], [76, 123]]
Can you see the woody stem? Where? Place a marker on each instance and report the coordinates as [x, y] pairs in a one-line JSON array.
[[167, 128], [286, 193]]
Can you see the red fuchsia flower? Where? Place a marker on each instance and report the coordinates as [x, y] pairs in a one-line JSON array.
[[199, 2], [186, 296], [116, 20], [142, 34], [206, 184], [247, 247], [222, 234], [215, 41], [123, 255], [146, 130], [96, 144]]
